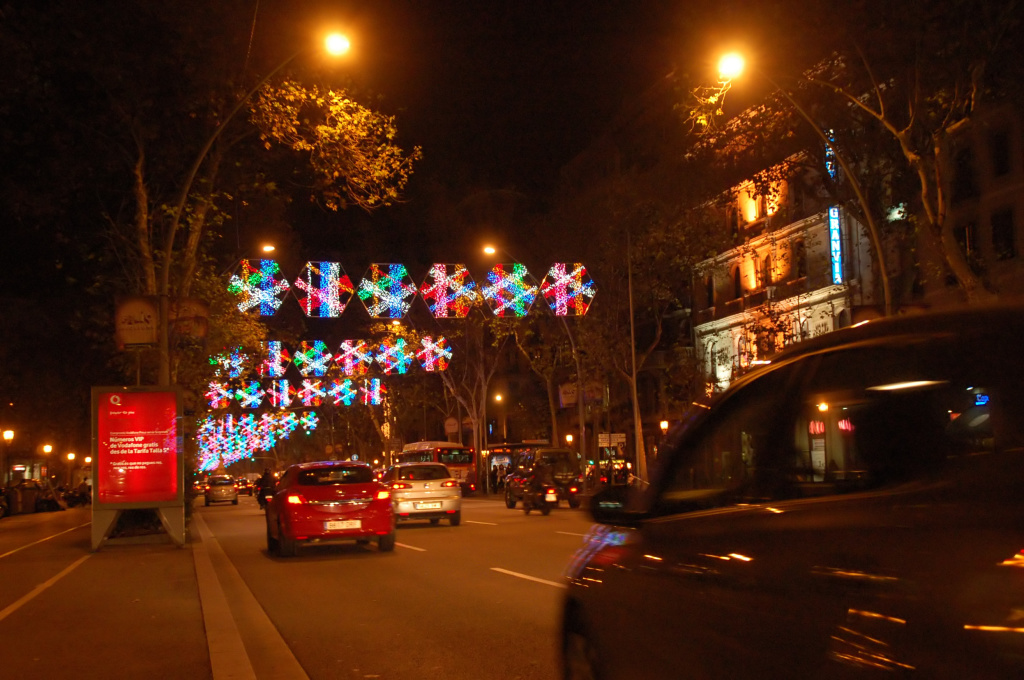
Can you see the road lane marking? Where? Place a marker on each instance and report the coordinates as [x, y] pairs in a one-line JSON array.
[[15, 606], [570, 533], [11, 552], [490, 524], [528, 577], [410, 547]]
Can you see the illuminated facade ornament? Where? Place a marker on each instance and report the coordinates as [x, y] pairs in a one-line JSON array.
[[218, 395], [312, 393], [231, 364], [434, 355], [275, 361], [354, 358], [393, 356], [250, 395], [372, 392], [281, 394], [510, 290], [568, 289], [327, 289], [312, 358], [387, 291], [449, 291], [259, 286], [342, 392]]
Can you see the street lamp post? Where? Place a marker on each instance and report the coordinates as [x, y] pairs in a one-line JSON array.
[[335, 45], [8, 438], [71, 468], [46, 451]]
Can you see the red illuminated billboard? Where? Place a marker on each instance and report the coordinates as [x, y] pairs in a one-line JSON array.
[[137, 447]]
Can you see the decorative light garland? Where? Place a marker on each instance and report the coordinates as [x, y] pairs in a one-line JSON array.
[[312, 392], [393, 357], [281, 394], [250, 395], [435, 355], [342, 392], [372, 392], [218, 395], [509, 291], [354, 358], [449, 291], [387, 294], [328, 289], [312, 358], [232, 364], [259, 287], [276, 360], [568, 289]]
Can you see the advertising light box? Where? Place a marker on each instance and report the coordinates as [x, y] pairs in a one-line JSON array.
[[138, 457]]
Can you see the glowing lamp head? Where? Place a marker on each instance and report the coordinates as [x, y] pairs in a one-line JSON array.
[[490, 250], [337, 44], [47, 448], [730, 66], [268, 248], [568, 439]]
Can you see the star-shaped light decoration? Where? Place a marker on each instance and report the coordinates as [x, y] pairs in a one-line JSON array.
[[372, 392], [342, 392], [259, 286], [449, 291], [218, 395], [275, 360], [387, 291], [312, 358], [327, 287], [435, 354], [510, 290], [393, 356], [231, 364], [250, 394], [312, 392], [354, 357], [568, 289], [281, 394]]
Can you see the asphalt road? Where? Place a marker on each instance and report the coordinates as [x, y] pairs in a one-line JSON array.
[[480, 600]]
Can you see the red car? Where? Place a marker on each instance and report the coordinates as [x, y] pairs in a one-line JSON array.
[[329, 501]]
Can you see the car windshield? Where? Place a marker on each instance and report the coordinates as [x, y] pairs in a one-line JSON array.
[[221, 481], [335, 475], [423, 472]]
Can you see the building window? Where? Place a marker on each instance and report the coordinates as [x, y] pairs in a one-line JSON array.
[[999, 151], [766, 271], [709, 287], [737, 283], [965, 183], [1003, 242], [965, 236], [799, 259]]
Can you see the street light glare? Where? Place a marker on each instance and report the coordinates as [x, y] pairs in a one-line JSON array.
[[337, 44], [490, 250], [268, 248], [730, 66]]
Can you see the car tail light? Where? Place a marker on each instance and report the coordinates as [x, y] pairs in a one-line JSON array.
[[207, 487], [401, 485], [296, 499], [450, 483], [572, 489], [383, 495], [551, 490]]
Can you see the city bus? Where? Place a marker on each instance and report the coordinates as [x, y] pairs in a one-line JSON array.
[[459, 459]]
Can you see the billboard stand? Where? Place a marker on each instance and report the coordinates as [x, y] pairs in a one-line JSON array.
[[139, 463]]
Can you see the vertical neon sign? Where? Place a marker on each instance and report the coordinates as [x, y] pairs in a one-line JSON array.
[[835, 238]]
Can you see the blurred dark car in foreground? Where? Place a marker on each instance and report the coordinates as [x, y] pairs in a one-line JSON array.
[[327, 502], [855, 509]]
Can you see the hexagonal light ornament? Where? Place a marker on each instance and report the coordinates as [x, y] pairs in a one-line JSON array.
[[354, 357], [568, 289], [312, 358], [259, 286], [510, 290], [387, 291], [326, 287], [449, 291]]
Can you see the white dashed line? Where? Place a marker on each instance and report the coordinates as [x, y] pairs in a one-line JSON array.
[[528, 578], [570, 533], [411, 547], [490, 524]]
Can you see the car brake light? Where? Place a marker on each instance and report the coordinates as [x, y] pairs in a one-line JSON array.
[[572, 489], [296, 499], [401, 485], [207, 487], [450, 483], [383, 494], [552, 490]]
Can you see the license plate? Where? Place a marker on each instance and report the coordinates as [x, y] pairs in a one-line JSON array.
[[428, 506], [551, 496], [335, 525]]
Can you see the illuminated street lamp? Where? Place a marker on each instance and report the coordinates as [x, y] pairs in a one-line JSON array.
[[71, 467], [568, 439], [8, 438], [731, 66]]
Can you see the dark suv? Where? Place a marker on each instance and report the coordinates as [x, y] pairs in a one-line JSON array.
[[851, 510], [565, 468]]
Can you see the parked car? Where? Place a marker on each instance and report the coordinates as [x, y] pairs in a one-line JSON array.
[[850, 510], [326, 502], [424, 491], [244, 485], [220, 489], [566, 474]]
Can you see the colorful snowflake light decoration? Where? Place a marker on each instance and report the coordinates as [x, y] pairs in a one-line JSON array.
[[354, 358], [218, 395], [372, 392], [327, 287], [342, 392], [449, 291], [250, 394], [259, 286], [231, 364], [309, 421], [393, 356], [312, 358], [510, 290], [387, 291], [568, 289], [312, 392], [275, 361], [435, 355], [281, 394]]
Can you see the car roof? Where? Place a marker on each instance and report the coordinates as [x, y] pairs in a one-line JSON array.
[[331, 463]]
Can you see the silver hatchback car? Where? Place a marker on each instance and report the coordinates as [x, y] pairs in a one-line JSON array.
[[221, 488], [424, 491]]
